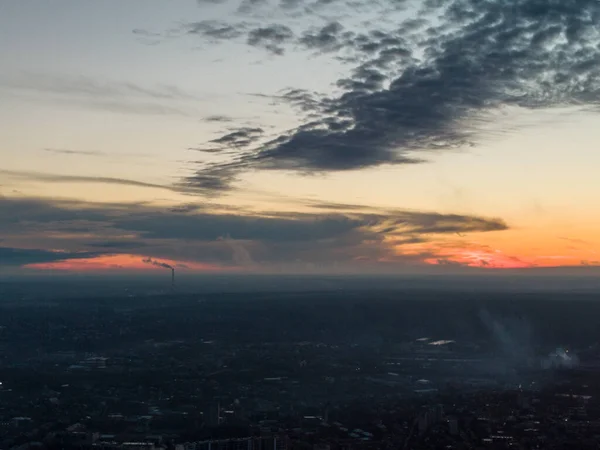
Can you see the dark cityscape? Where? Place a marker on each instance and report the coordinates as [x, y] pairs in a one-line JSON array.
[[299, 225], [415, 368]]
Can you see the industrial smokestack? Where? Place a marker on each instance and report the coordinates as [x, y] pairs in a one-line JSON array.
[[162, 264]]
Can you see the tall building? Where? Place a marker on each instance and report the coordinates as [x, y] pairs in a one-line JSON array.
[[276, 442], [423, 422], [453, 426], [212, 415], [437, 413], [238, 411]]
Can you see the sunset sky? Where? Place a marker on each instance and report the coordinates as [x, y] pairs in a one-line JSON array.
[[284, 136]]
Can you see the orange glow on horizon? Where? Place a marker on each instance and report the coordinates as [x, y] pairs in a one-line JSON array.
[[478, 258], [460, 252], [117, 262]]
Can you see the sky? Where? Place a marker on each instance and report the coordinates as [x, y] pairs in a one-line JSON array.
[[299, 136]]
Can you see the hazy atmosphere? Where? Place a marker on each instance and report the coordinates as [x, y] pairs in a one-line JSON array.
[[299, 136], [299, 224]]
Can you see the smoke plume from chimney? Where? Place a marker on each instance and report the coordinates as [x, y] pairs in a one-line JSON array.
[[162, 264]]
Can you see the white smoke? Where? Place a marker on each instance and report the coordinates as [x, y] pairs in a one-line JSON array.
[[560, 358], [513, 336], [241, 256]]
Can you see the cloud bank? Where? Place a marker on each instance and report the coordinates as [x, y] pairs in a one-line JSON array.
[[240, 238]]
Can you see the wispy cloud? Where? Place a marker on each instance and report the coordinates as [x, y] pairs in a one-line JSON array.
[[115, 96], [57, 178], [83, 85], [180, 187], [94, 153], [575, 240], [63, 151]]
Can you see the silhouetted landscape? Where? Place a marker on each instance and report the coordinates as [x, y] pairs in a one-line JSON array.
[[276, 366], [299, 225]]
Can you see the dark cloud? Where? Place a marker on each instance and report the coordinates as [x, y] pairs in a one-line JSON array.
[[209, 227], [429, 88], [16, 212], [407, 240], [448, 262], [325, 39], [210, 179], [117, 245], [237, 139], [186, 208], [435, 223], [308, 103], [272, 38], [364, 79], [300, 227], [303, 99], [19, 256], [216, 30], [218, 118], [318, 204], [199, 233], [332, 37]]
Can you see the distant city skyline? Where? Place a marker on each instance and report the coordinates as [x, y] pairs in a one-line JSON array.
[[299, 136]]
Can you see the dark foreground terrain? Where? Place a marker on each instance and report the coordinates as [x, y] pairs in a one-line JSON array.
[[411, 367]]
